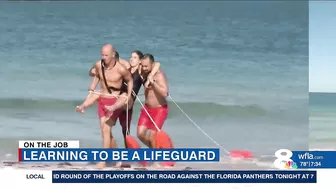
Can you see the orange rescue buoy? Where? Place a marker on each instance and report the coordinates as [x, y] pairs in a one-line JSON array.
[[163, 141], [133, 144], [241, 154]]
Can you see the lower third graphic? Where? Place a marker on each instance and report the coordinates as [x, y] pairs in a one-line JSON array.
[[284, 160], [290, 165]]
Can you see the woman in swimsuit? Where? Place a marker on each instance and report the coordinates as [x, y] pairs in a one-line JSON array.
[[138, 81]]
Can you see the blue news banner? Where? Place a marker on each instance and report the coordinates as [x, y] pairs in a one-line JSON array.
[[313, 159], [183, 176], [112, 155]]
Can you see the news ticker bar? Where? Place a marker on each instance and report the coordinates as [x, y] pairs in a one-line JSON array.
[[112, 155], [184, 176]]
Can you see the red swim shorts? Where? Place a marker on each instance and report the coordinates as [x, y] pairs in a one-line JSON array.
[[102, 111], [158, 114]]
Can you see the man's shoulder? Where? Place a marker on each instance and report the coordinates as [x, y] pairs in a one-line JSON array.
[[123, 62], [160, 72], [121, 68], [98, 63], [160, 75]]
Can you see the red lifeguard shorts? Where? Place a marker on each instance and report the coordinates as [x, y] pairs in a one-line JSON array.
[[158, 114], [102, 111]]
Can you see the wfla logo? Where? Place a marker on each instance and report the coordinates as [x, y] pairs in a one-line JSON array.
[[284, 160]]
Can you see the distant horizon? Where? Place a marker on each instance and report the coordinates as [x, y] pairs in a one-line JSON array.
[[322, 92]]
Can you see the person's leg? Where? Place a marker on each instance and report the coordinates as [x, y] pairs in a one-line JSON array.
[[142, 135], [89, 101], [123, 117], [143, 124], [123, 123], [106, 124], [108, 139], [151, 139], [159, 116], [120, 103]]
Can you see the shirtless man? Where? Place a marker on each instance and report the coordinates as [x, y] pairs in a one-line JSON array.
[[155, 103], [114, 73], [135, 68]]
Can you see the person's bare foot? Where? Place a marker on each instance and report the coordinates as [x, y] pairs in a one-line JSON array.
[[118, 165], [101, 165], [156, 164]]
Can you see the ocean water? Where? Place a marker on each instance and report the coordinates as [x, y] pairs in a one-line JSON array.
[[238, 69], [322, 120]]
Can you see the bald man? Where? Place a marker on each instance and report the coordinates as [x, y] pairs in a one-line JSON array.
[[110, 75]]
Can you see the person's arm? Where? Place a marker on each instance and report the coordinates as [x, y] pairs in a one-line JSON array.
[[95, 79], [125, 63], [92, 71], [128, 77], [160, 84], [155, 69], [150, 76]]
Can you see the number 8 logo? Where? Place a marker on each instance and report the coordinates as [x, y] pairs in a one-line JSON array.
[[283, 156]]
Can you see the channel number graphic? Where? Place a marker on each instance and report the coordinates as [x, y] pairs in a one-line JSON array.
[[284, 160]]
